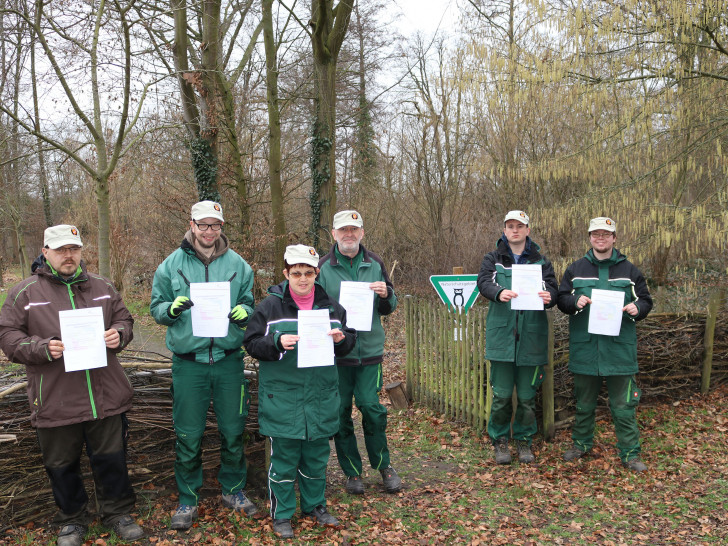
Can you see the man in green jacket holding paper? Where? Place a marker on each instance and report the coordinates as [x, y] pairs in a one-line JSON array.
[[604, 357], [516, 340], [206, 367], [360, 372]]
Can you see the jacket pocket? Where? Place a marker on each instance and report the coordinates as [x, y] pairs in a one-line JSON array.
[[277, 412], [583, 286], [177, 286], [623, 285], [328, 410], [503, 277]]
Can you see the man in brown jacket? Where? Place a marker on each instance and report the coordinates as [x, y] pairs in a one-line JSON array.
[[70, 408]]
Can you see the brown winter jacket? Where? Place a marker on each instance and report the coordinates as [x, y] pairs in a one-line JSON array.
[[29, 320]]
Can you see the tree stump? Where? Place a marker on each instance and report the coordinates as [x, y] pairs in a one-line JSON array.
[[397, 395]]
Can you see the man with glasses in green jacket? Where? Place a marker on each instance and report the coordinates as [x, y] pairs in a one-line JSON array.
[[206, 368], [594, 358]]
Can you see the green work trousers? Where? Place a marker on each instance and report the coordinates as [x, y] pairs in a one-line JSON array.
[[194, 385], [624, 395], [362, 383], [526, 379], [289, 459]]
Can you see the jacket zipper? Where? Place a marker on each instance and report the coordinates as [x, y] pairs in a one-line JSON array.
[[212, 339], [88, 372]]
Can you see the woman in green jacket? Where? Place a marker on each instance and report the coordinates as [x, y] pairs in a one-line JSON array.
[[298, 407]]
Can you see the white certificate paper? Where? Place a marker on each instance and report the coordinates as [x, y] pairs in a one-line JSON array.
[[605, 312], [211, 308], [358, 300], [527, 282], [82, 333], [315, 347]]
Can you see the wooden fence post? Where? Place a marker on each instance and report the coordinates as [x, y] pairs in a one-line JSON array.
[[547, 391], [409, 344], [715, 300]]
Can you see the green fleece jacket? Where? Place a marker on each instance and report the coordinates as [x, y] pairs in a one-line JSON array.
[[369, 268], [173, 278]]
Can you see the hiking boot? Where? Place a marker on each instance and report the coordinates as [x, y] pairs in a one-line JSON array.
[[574, 453], [71, 535], [525, 455], [184, 517], [322, 516], [127, 529], [354, 485], [282, 528], [502, 453], [238, 501], [635, 464], [391, 480]]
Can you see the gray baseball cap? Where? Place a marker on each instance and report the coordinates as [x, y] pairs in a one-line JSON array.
[[607, 224], [301, 254], [55, 237]]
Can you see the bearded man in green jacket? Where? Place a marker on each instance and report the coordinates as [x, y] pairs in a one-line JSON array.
[[360, 372], [516, 341], [206, 368], [594, 358]]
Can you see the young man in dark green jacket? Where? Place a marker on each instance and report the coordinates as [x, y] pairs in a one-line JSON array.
[[516, 341], [360, 372], [206, 368], [597, 357]]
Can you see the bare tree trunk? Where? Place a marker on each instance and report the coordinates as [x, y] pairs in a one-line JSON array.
[[365, 161], [199, 121], [274, 140], [104, 219], [42, 175], [329, 28]]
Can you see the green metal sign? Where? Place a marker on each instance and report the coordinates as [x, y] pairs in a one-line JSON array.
[[458, 291]]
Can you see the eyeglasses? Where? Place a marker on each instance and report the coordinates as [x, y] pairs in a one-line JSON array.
[[298, 274], [203, 227], [67, 250], [601, 235]]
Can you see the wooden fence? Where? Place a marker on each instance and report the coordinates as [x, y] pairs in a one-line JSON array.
[[447, 371], [445, 366]]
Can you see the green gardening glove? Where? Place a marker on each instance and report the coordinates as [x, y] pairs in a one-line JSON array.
[[238, 315], [181, 303]]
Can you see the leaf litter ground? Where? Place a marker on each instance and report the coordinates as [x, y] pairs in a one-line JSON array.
[[455, 493]]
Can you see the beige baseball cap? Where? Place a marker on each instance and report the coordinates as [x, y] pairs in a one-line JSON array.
[[347, 218], [602, 222], [55, 237], [516, 215], [207, 209], [301, 254]]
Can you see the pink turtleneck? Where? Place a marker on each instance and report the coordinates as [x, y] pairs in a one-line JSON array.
[[305, 303]]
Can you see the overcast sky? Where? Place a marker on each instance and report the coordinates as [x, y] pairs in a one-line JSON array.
[[426, 15]]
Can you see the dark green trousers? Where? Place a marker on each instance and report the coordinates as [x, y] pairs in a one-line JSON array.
[[526, 379], [624, 395], [304, 460], [61, 449], [362, 383], [194, 386]]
